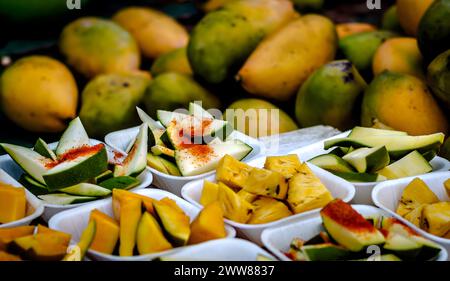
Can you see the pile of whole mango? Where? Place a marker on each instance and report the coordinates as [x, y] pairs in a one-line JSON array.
[[395, 76]]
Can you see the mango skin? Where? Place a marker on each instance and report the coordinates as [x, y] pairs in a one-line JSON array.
[[284, 60], [434, 30], [39, 94], [109, 102], [445, 150], [399, 55], [402, 102], [410, 12], [275, 124], [439, 77], [170, 91], [174, 61], [95, 46], [330, 96], [390, 20], [155, 32], [350, 28], [212, 5]]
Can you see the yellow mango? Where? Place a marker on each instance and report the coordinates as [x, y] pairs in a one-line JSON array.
[[447, 187], [106, 234], [130, 214], [266, 183], [13, 203], [436, 218], [59, 235], [150, 237], [410, 13], [415, 195], [268, 210], [350, 28], [9, 234], [232, 172], [210, 193], [118, 194], [208, 225], [288, 165], [4, 256], [233, 206]]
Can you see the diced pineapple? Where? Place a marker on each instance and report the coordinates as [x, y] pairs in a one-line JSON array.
[[234, 207], [414, 195], [232, 172], [415, 216], [436, 218], [247, 196], [210, 193], [447, 187], [307, 192], [288, 165], [268, 210], [266, 183]]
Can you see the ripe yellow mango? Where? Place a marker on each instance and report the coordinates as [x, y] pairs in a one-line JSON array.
[[410, 13], [350, 28]]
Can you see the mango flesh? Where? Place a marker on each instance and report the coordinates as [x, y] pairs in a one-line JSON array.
[[172, 91], [150, 237], [346, 29], [155, 32], [106, 233], [436, 218], [13, 203], [330, 96], [130, 215], [404, 103], [210, 193], [174, 61], [284, 60], [439, 77], [109, 102], [9, 234], [410, 13], [94, 46], [259, 118], [208, 225], [39, 94], [63, 237], [399, 55]]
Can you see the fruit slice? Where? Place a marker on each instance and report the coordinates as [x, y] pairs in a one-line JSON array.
[[198, 111], [208, 225], [42, 148], [368, 159], [174, 223], [402, 246], [385, 257], [9, 234], [325, 252], [119, 194], [65, 199], [287, 165], [130, 215], [232, 172], [150, 237], [155, 129], [447, 187], [266, 183], [38, 247], [361, 132], [360, 177], [234, 207], [415, 195], [162, 165], [136, 160], [163, 151], [30, 161], [348, 227], [268, 210], [33, 186], [87, 237], [332, 163], [77, 166], [411, 165], [4, 256], [106, 234], [200, 159], [103, 176], [123, 182], [247, 196], [86, 189], [13, 203], [74, 136], [210, 193], [436, 218], [60, 236]]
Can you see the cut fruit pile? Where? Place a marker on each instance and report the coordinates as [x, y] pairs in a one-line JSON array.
[[422, 207], [76, 171], [189, 144], [13, 203], [370, 155], [162, 225], [347, 236], [256, 196]]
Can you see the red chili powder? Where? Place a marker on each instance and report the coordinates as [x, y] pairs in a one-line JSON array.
[[75, 153]]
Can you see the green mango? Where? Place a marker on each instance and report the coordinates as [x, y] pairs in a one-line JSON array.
[[390, 20], [174, 61], [109, 102], [330, 96], [439, 77], [434, 30], [170, 91], [308, 5]]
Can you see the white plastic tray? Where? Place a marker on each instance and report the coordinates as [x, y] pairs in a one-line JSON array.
[[338, 187], [14, 170], [74, 221], [363, 190], [387, 195], [278, 239], [35, 208], [120, 140]]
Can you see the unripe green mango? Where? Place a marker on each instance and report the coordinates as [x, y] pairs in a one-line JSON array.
[[390, 20], [174, 61], [439, 77], [330, 96]]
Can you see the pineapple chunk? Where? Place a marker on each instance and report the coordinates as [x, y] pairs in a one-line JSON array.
[[414, 195], [268, 210], [447, 187], [436, 218], [232, 172], [234, 207], [306, 191], [415, 216], [288, 165], [210, 193], [247, 196], [266, 183]]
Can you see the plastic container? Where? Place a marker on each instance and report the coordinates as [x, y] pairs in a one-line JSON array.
[[14, 170], [337, 186], [278, 239], [387, 195], [120, 140], [35, 208], [363, 193], [74, 221], [220, 250]]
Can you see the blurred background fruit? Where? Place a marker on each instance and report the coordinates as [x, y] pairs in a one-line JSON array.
[[445, 149], [390, 20], [350, 28], [308, 5], [174, 61], [410, 13], [439, 77]]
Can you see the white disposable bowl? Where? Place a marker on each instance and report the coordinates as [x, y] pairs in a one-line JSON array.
[[278, 239], [339, 188], [14, 170], [363, 193], [121, 139], [387, 195], [74, 221], [35, 208], [220, 250]]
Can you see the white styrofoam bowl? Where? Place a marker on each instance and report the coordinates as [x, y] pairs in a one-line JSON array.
[[387, 195], [14, 170], [338, 187], [121, 139], [74, 221], [278, 239], [363, 193], [35, 208], [220, 250]]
